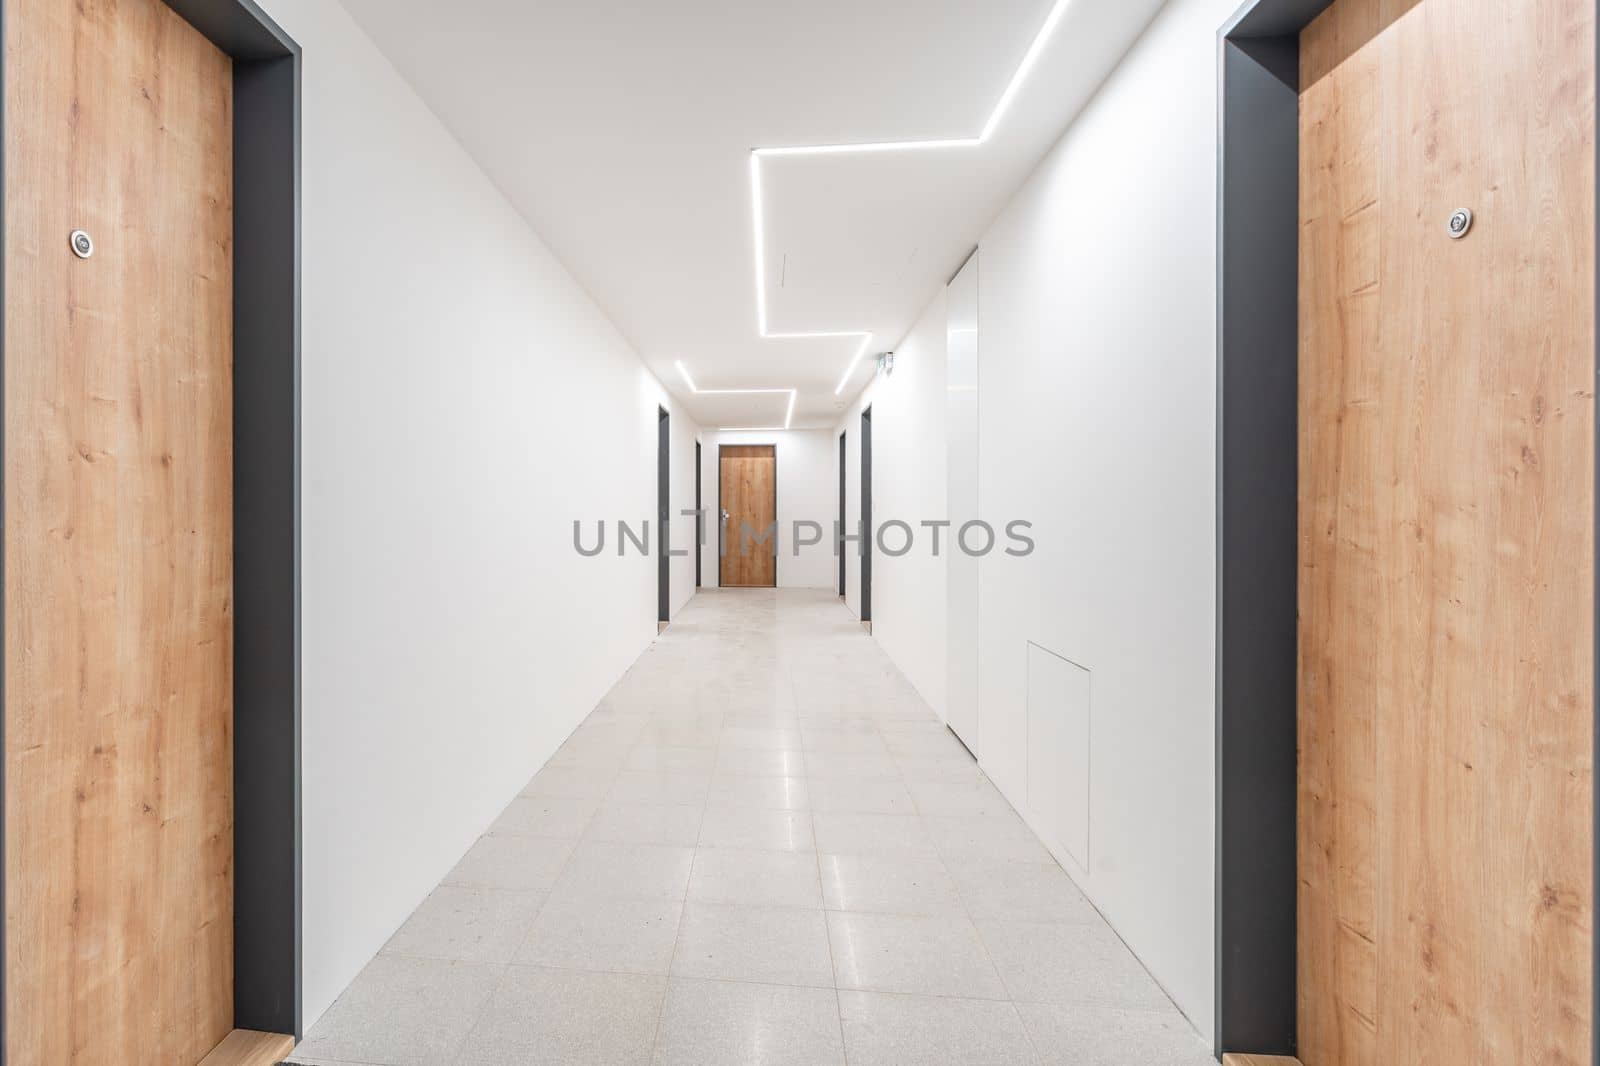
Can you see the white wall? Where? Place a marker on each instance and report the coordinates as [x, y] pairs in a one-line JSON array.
[[909, 484], [1097, 423], [463, 402], [808, 478]]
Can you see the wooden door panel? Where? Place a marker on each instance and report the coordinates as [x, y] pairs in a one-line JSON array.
[[1447, 548], [749, 495], [118, 536]]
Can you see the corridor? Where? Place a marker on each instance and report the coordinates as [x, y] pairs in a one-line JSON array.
[[761, 848]]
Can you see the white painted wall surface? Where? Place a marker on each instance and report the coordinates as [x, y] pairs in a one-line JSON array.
[[909, 485], [463, 401], [807, 479], [961, 455], [1097, 422]]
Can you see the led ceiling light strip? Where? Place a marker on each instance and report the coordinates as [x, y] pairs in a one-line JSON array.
[[1029, 59], [793, 394]]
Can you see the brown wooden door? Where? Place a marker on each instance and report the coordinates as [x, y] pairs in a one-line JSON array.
[[1446, 533], [750, 502], [118, 537]]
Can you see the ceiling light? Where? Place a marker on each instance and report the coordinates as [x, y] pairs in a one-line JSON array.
[[687, 380], [758, 209], [855, 362]]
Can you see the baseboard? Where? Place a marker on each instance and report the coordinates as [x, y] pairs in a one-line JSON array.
[[242, 1047], [1258, 1060]]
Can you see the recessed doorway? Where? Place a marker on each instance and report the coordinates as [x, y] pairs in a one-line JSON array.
[[748, 494], [151, 823]]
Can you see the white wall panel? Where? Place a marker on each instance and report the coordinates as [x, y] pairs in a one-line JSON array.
[[961, 392], [463, 402], [1059, 730]]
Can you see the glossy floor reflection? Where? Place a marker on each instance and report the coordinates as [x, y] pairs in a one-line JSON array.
[[761, 848]]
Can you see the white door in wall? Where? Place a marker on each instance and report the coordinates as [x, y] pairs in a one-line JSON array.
[[962, 413]]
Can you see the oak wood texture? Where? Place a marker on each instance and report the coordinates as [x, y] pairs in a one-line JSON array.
[[1258, 1060], [243, 1047], [1446, 533], [118, 537], [749, 479]]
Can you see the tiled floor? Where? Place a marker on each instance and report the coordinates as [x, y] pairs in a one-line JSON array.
[[762, 848]]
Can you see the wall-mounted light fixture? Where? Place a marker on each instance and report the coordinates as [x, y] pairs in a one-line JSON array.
[[886, 363]]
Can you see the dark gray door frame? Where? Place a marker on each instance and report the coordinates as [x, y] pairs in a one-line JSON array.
[[839, 540], [266, 483], [699, 516], [866, 515], [1258, 526], [663, 515]]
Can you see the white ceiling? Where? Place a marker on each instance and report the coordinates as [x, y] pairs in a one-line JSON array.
[[623, 129]]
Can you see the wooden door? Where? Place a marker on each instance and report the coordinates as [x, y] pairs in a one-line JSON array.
[[1447, 475], [750, 502], [118, 537]]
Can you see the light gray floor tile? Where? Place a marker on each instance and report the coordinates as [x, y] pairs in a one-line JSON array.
[[650, 786], [881, 1030], [844, 833], [596, 756], [933, 956], [404, 1012], [851, 766], [671, 760], [623, 935], [955, 770], [888, 885], [624, 871], [1101, 1036], [755, 878], [646, 823], [755, 829], [561, 817], [683, 733], [762, 739], [770, 945], [1006, 838], [1069, 964], [467, 924], [843, 741], [862, 797], [530, 864], [1021, 892], [563, 1016], [773, 719], [938, 742], [756, 762], [773, 793], [761, 721], [573, 782], [715, 1023], [978, 797]]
